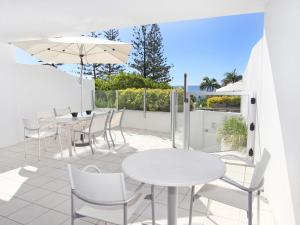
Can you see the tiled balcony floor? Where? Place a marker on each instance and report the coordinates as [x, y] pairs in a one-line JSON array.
[[38, 193]]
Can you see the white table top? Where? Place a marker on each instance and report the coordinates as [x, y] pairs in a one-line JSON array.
[[68, 119], [173, 167]]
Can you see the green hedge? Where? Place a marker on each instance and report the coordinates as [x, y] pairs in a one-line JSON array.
[[223, 101], [133, 99]]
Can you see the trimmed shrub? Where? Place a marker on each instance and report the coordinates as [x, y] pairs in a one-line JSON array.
[[223, 101], [133, 99]]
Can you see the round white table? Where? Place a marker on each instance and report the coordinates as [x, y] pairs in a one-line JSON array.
[[173, 168]]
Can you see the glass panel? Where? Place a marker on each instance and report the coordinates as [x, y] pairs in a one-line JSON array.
[[219, 123], [158, 100], [179, 119], [132, 99], [105, 99]]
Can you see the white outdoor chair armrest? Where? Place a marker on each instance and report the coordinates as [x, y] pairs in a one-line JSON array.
[[32, 129], [91, 167], [135, 193], [248, 162], [83, 198], [234, 183]]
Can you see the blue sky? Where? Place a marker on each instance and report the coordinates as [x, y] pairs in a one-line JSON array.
[[205, 47]]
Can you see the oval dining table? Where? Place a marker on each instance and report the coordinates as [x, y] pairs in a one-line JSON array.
[[173, 168]]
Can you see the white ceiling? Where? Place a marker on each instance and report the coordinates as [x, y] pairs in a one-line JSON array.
[[34, 19]]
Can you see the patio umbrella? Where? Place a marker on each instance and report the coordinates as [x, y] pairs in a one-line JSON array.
[[232, 87], [78, 50]]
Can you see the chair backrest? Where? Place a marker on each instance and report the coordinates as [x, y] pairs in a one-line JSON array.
[[99, 122], [116, 118], [62, 111], [260, 169], [45, 115], [31, 123], [103, 187]]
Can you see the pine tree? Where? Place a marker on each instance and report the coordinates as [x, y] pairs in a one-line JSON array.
[[159, 69], [109, 69], [148, 54], [140, 50]]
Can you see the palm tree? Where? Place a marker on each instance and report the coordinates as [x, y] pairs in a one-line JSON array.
[[231, 77], [208, 84]]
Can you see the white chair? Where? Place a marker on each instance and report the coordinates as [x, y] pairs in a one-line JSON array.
[[33, 130], [116, 123], [104, 195], [46, 119], [62, 111], [97, 127], [241, 197]]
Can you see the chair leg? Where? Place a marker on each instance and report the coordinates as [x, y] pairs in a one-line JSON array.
[[106, 139], [152, 205], [191, 205], [39, 149], [72, 209], [94, 139], [24, 145], [112, 141], [60, 146], [45, 145], [123, 135], [73, 140], [258, 207], [208, 207], [91, 144], [250, 208], [125, 215]]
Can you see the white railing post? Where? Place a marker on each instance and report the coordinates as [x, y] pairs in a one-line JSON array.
[[93, 100], [117, 99], [173, 111], [186, 111], [145, 103]]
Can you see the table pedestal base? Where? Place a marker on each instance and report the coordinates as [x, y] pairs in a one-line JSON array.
[[172, 205]]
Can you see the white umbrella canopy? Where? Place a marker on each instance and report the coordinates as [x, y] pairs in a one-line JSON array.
[[77, 50], [232, 87], [69, 49]]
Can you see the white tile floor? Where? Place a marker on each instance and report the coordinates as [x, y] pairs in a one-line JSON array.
[[37, 192]]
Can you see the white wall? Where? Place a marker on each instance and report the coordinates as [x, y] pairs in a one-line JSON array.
[[258, 77], [28, 89], [154, 121], [283, 37]]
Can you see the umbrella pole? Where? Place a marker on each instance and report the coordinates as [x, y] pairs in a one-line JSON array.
[[81, 82]]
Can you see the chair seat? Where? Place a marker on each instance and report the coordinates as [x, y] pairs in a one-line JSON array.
[[111, 214], [43, 134], [228, 196]]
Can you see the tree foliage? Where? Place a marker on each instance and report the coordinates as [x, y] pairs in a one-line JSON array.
[[148, 54], [231, 77], [140, 50], [159, 69], [127, 80], [208, 84]]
